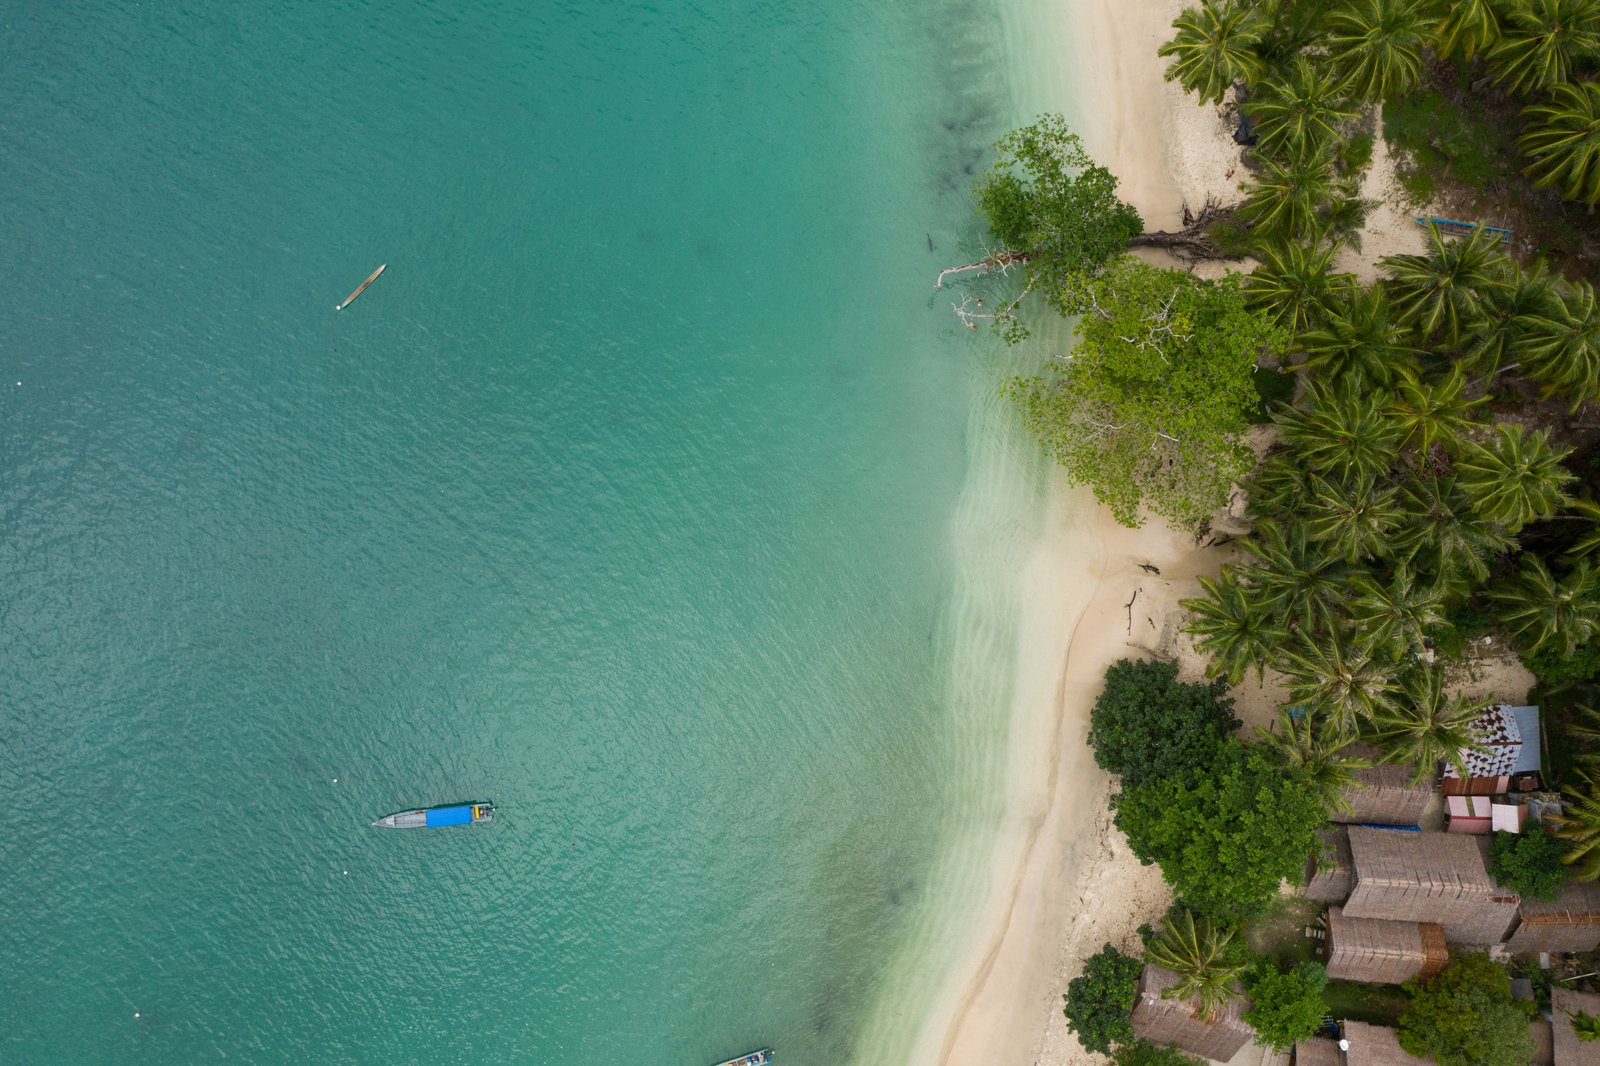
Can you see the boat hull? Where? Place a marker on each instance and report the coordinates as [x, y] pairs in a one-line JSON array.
[[437, 817]]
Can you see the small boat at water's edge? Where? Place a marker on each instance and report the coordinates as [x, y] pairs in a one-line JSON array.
[[438, 817], [755, 1058]]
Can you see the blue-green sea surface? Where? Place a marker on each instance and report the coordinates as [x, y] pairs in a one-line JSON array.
[[623, 499]]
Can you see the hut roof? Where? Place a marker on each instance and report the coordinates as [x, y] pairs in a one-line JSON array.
[[1318, 1051], [1510, 739], [1371, 949], [1569, 1050], [1570, 922], [1329, 874], [1173, 1021], [1542, 1033], [1375, 1045], [1435, 877], [1384, 795]]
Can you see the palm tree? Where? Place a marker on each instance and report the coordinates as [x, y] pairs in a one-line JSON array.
[[1299, 112], [1509, 314], [1278, 487], [1542, 41], [1339, 675], [1237, 627], [1543, 611], [1516, 478], [1358, 337], [1561, 140], [1444, 537], [1353, 517], [1295, 284], [1311, 745], [1296, 579], [1347, 432], [1579, 824], [1562, 347], [1216, 45], [1468, 27], [1427, 727], [1427, 413], [1378, 45], [1195, 949], [1398, 613], [1290, 194], [1442, 292]]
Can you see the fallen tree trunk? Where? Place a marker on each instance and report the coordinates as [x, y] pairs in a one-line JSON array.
[[1191, 242]]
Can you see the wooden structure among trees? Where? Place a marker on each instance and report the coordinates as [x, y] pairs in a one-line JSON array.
[[1509, 759], [1175, 1021], [1383, 795], [1569, 1050], [1376, 1045], [1318, 1051], [1428, 877], [1329, 874], [1383, 952], [1570, 922]]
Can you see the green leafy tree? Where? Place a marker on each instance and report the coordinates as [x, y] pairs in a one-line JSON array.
[[1195, 947], [1359, 338], [1465, 1016], [1144, 1053], [1339, 675], [1354, 518], [1216, 44], [1100, 1000], [1302, 110], [1446, 538], [1288, 1005], [1298, 579], [1561, 140], [1295, 284], [1432, 412], [1515, 478], [1542, 41], [1054, 211], [1238, 630], [1315, 748], [1377, 45], [1510, 313], [1425, 726], [1579, 825], [1400, 612], [1442, 292], [1346, 430], [1146, 724], [1529, 863], [1150, 408], [1545, 611], [1466, 28], [1561, 347], [1225, 835], [1288, 200]]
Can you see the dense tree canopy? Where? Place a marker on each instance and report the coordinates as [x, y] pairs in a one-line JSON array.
[[1465, 1016], [1144, 1053], [1529, 863], [1287, 1005], [1149, 409], [1100, 1000], [1148, 725], [1225, 835]]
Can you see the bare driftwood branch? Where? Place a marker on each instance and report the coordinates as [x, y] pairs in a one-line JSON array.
[[1001, 260]]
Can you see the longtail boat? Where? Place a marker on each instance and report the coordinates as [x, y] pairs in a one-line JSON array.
[[348, 300], [437, 817], [755, 1058]]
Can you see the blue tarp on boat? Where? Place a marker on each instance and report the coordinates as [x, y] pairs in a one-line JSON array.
[[449, 816]]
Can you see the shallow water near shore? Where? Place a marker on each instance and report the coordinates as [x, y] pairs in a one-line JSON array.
[[647, 494]]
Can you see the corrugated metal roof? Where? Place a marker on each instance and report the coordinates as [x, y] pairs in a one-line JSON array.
[[1528, 725]]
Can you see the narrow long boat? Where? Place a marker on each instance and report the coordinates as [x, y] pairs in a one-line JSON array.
[[348, 300], [755, 1058], [437, 817]]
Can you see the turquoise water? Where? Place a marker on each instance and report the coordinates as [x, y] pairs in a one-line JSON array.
[[623, 499]]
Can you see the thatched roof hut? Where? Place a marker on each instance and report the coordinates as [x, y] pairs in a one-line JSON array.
[[1384, 795], [1375, 1045], [1318, 1051], [1542, 1034], [1569, 1050], [1428, 877], [1383, 952], [1173, 1021], [1329, 874], [1570, 922]]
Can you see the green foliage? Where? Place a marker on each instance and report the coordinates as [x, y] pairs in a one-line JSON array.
[[1467, 28], [1542, 41], [1301, 110], [1295, 284], [1273, 387], [1585, 1026], [1340, 675], [1424, 727], [1529, 863], [1196, 949], [1443, 140], [1433, 412], [1149, 409], [1554, 668], [1579, 825], [1544, 611], [1100, 1000], [1225, 835], [1561, 140], [1144, 1053], [1216, 44], [1147, 724], [1359, 337], [1314, 747], [1516, 477], [1465, 1016], [1288, 1005], [1562, 348], [1377, 46], [1442, 293], [1291, 199], [1239, 630], [1056, 209]]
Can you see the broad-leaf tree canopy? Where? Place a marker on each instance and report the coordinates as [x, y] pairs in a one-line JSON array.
[[1465, 1016], [1149, 409], [1100, 1000], [1286, 1006], [1148, 725]]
